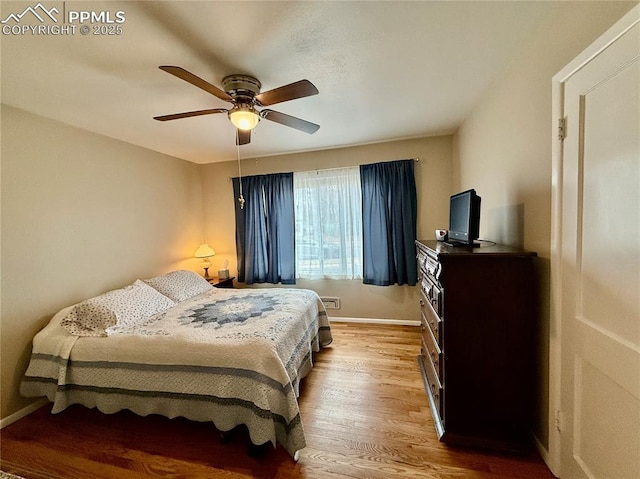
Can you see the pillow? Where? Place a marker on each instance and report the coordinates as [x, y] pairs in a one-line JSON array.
[[120, 308], [179, 285]]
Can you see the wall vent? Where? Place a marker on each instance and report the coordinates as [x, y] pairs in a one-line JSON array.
[[331, 302]]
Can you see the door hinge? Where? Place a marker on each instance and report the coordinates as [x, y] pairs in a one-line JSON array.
[[562, 128], [557, 421]]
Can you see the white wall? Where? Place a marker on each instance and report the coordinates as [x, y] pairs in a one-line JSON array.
[[82, 214]]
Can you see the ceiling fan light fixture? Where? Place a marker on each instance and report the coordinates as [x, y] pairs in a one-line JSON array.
[[244, 117]]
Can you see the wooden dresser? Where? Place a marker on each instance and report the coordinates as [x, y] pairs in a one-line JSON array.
[[478, 313]]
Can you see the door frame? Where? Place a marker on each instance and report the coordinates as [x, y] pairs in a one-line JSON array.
[[629, 20]]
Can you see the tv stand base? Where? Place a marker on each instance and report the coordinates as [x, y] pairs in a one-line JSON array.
[[457, 244]]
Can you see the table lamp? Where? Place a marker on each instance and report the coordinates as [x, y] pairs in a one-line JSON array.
[[205, 252]]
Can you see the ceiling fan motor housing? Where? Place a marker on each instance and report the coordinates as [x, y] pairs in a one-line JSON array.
[[241, 87]]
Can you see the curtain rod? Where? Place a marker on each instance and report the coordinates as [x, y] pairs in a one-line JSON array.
[[416, 159]]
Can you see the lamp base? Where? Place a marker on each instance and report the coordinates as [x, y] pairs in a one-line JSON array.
[[206, 273]]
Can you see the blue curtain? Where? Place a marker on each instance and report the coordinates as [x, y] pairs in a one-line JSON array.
[[389, 215], [265, 229]]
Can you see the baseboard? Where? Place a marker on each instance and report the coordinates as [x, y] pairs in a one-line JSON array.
[[23, 412], [398, 322]]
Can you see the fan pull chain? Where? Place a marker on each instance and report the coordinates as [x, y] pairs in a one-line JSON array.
[[240, 198]]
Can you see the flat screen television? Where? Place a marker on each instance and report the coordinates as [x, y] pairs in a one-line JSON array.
[[464, 219]]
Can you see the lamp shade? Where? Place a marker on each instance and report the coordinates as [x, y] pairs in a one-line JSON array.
[[244, 117], [204, 251]]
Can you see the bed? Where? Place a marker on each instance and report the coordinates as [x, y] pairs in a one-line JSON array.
[[173, 345]]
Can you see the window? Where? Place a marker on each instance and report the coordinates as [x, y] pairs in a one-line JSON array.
[[328, 229], [350, 223]]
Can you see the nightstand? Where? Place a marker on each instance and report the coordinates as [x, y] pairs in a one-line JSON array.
[[221, 283]]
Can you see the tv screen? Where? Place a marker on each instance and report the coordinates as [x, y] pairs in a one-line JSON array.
[[464, 218]]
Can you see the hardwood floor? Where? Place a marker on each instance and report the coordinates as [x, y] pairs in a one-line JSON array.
[[363, 406]]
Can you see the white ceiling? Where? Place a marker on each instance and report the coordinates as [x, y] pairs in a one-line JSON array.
[[385, 70]]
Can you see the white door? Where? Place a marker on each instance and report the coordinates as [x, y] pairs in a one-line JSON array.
[[599, 253]]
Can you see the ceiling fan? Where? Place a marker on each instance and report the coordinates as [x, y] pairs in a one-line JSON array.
[[243, 91]]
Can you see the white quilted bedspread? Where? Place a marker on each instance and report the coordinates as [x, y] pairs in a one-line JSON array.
[[229, 356]]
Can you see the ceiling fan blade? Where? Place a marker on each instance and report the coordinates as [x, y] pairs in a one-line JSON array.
[[244, 137], [189, 114], [299, 89], [289, 120], [197, 81]]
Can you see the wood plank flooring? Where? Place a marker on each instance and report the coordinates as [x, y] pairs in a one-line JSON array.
[[364, 411]]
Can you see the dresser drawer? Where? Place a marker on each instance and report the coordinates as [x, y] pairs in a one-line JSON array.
[[432, 267], [427, 263], [433, 293], [432, 382], [421, 256], [431, 350], [431, 318]]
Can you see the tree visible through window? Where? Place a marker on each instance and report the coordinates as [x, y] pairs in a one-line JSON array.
[[328, 229]]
